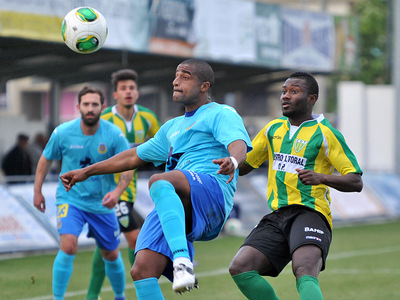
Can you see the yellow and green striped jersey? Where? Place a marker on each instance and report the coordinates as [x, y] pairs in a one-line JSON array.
[[144, 125], [315, 145]]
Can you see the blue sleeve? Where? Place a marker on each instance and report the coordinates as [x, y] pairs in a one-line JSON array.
[[157, 148], [228, 127], [52, 151]]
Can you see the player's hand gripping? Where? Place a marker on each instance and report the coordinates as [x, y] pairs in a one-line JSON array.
[[70, 178]]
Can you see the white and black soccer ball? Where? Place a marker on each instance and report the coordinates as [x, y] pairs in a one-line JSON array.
[[84, 30], [233, 227]]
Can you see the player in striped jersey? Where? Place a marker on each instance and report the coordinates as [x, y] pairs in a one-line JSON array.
[[138, 124], [303, 151]]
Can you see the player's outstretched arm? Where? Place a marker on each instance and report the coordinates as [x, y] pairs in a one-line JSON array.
[[124, 161]]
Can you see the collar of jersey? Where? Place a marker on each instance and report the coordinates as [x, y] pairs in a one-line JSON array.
[[190, 113]]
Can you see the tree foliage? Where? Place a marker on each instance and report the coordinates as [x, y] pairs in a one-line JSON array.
[[375, 43]]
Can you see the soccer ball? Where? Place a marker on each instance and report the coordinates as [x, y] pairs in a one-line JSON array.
[[233, 226], [84, 30]]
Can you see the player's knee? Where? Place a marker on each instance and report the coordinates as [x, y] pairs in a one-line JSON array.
[[110, 255], [136, 273], [236, 267], [154, 178]]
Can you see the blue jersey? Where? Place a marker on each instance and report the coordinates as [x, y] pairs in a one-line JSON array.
[[192, 141], [76, 150]]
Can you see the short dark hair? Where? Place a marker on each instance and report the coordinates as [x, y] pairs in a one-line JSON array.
[[124, 74], [312, 84], [90, 90], [203, 70], [22, 137]]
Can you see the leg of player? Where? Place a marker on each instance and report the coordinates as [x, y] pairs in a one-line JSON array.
[[306, 264], [114, 269], [131, 237], [245, 270], [97, 277], [171, 213], [146, 271], [63, 264]]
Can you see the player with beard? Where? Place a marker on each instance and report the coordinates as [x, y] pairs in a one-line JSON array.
[[138, 124], [77, 144]]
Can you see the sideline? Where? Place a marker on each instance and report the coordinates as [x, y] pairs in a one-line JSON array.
[[222, 271]]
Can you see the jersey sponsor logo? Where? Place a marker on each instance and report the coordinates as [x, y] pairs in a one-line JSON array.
[[191, 126], [173, 159], [195, 176], [310, 237], [299, 145], [174, 134], [316, 230], [288, 162], [86, 162], [139, 134], [102, 148], [76, 147], [124, 221]]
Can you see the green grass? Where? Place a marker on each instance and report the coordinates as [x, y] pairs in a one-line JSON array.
[[364, 263]]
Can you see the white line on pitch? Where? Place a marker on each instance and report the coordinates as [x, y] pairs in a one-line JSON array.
[[222, 271]]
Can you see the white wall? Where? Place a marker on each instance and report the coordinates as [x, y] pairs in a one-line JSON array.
[[366, 117]]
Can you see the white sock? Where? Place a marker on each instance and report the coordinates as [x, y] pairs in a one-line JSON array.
[[183, 260]]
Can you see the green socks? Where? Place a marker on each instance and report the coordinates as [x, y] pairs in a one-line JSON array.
[[97, 277], [131, 254], [254, 286], [308, 288]]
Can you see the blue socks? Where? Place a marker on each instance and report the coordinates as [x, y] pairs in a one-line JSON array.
[[62, 270], [148, 289], [172, 216], [116, 274]]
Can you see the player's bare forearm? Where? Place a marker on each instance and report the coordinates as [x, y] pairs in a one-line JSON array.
[[42, 169], [351, 182], [124, 180], [237, 150], [124, 161]]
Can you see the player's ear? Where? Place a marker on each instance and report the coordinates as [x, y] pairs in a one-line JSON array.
[[204, 86], [312, 99]]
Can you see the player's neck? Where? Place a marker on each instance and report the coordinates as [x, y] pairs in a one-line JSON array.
[[126, 111], [89, 130]]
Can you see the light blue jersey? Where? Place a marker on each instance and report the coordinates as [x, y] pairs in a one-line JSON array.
[[76, 150], [191, 142]]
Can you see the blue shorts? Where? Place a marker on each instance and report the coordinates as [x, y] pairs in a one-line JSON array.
[[208, 218], [104, 228]]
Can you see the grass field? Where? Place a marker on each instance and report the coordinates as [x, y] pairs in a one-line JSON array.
[[364, 263]]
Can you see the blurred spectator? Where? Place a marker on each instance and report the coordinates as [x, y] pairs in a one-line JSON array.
[[35, 150], [17, 160]]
